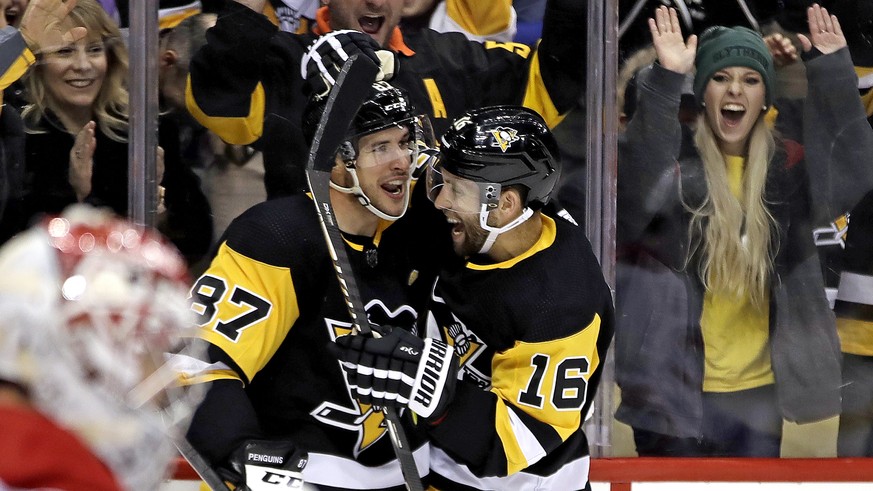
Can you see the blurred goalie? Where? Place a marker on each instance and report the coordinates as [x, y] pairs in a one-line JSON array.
[[90, 307]]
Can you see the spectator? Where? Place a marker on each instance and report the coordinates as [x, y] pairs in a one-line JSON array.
[[716, 255], [40, 30], [527, 315], [90, 305], [76, 144], [230, 190], [245, 83]]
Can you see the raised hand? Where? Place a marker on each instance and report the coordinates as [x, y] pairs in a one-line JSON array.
[[673, 52], [783, 52], [825, 33], [325, 57], [41, 25], [82, 161]]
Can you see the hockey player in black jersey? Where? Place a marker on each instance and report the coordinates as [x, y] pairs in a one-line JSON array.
[[270, 303], [527, 317]]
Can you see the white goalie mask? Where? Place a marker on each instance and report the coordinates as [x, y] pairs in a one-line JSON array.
[[90, 307]]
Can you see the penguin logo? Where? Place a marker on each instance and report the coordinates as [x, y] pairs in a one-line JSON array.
[[503, 137]]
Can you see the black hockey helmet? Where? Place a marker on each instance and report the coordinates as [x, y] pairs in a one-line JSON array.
[[503, 145], [385, 106]]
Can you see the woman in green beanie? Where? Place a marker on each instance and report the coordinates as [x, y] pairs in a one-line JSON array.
[[723, 328]]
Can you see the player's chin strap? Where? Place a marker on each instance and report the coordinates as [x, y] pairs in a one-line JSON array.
[[493, 232], [356, 190]]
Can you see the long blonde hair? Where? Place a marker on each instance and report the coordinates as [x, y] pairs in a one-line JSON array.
[[110, 108], [735, 235]]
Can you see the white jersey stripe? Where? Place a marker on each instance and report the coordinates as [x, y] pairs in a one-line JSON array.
[[530, 446], [856, 288], [331, 470], [573, 475]]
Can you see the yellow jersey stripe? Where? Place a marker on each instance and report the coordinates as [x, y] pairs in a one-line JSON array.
[[236, 131], [478, 17], [536, 96]]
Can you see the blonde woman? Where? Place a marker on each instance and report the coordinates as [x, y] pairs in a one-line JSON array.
[[77, 125], [723, 326]]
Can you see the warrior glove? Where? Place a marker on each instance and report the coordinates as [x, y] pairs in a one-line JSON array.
[[265, 465], [325, 57], [400, 370]]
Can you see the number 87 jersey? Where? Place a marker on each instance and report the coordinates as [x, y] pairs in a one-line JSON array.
[[531, 334]]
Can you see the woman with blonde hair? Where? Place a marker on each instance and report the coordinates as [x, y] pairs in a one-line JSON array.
[[77, 126], [723, 326]]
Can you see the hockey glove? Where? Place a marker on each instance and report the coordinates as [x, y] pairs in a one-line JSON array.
[[268, 465], [325, 57], [400, 370]]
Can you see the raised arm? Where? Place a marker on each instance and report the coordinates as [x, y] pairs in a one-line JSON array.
[[648, 170], [838, 139]]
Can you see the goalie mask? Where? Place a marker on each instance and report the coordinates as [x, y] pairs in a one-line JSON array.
[[488, 150], [387, 109], [90, 305]]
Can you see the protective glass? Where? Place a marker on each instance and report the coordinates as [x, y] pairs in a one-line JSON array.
[[450, 192]]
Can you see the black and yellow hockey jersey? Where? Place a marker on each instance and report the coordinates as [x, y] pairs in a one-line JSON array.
[[532, 335], [269, 304], [245, 83]]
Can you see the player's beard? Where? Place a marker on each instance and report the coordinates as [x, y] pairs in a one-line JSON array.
[[473, 237]]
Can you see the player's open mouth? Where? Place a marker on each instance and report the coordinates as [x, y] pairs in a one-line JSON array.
[[371, 23], [395, 187], [457, 227]]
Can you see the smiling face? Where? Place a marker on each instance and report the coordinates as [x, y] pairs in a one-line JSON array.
[[734, 99], [378, 18], [459, 200], [74, 74], [382, 166]]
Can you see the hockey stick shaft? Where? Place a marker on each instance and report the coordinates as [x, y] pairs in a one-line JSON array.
[[200, 466], [351, 89]]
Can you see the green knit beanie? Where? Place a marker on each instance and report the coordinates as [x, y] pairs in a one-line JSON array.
[[721, 47]]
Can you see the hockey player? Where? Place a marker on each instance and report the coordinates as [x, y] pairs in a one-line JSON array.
[[246, 83], [270, 303], [527, 318], [90, 304]]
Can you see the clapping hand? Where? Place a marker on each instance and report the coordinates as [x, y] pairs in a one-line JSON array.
[[82, 161]]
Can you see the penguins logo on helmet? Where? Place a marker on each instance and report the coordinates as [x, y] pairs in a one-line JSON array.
[[504, 137]]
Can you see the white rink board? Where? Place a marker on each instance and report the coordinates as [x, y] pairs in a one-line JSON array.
[[668, 486], [741, 486]]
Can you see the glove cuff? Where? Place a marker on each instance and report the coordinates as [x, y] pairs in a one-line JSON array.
[[434, 373]]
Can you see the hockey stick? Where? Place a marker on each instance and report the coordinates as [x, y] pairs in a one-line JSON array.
[[348, 93], [200, 466]]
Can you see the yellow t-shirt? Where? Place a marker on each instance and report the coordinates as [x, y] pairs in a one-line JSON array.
[[735, 333]]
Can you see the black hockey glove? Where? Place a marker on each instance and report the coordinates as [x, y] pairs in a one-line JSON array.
[[325, 57], [400, 370], [262, 465]]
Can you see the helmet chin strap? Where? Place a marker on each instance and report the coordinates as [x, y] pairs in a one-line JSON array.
[[493, 232], [356, 190]]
